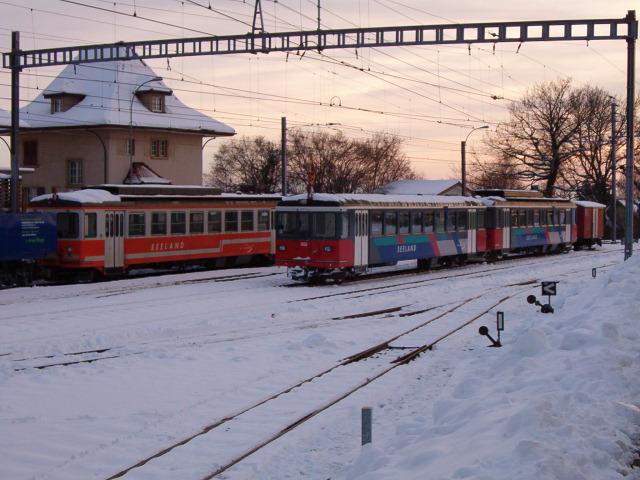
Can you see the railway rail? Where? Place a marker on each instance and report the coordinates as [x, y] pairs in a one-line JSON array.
[[118, 351], [378, 360]]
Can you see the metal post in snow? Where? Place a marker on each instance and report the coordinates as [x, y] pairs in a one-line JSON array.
[[15, 120], [632, 34], [613, 172], [367, 417], [283, 155]]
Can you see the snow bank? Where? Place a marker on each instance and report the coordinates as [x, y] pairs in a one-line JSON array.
[[558, 401]]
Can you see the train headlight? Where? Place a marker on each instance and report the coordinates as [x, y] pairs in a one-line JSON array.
[[328, 248], [69, 250], [281, 248]]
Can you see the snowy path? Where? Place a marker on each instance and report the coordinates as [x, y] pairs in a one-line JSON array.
[[193, 348]]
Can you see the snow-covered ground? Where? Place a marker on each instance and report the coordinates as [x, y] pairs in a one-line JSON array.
[[177, 353]]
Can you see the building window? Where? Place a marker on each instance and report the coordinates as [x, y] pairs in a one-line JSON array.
[[159, 148], [131, 146], [157, 103], [57, 105], [74, 172], [30, 156]]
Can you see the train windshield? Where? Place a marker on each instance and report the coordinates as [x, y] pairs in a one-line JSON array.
[[312, 225], [68, 225]]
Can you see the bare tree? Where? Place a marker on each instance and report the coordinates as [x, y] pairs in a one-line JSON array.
[[494, 174], [383, 161], [246, 164], [588, 173], [540, 133]]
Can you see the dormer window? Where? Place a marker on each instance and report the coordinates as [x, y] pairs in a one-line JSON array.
[[157, 103], [154, 99], [57, 105], [63, 101]]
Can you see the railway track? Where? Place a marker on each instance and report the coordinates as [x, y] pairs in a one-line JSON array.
[[119, 351], [431, 278], [368, 365]]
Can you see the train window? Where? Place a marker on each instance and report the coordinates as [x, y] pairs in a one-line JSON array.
[[536, 217], [158, 223], [263, 220], [549, 217], [214, 221], [246, 221], [90, 225], [416, 222], [556, 217], [514, 218], [376, 223], [438, 220], [522, 218], [530, 217], [343, 220], [137, 226], [461, 220], [480, 219], [68, 225], [403, 222], [323, 225], [472, 217], [293, 225], [569, 216], [231, 221], [451, 221], [178, 223], [561, 217], [390, 219], [196, 222], [427, 221]]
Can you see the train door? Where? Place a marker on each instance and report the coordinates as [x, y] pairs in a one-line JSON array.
[[594, 223], [568, 222], [506, 228], [113, 240], [472, 232], [361, 238]]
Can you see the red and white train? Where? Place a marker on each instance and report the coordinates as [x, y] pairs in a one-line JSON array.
[[337, 236], [110, 229]]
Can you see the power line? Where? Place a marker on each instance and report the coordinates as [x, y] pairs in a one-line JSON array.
[[134, 15]]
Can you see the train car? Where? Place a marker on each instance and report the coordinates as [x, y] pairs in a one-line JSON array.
[[341, 235], [109, 229], [590, 223], [25, 238], [524, 221]]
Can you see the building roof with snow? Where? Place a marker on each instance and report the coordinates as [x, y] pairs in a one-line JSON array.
[[422, 187], [5, 120], [102, 95]]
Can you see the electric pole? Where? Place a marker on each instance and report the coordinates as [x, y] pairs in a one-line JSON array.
[[614, 219]]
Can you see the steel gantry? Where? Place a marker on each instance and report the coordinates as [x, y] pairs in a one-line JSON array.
[[260, 41]]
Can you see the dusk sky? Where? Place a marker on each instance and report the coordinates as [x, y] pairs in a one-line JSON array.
[[430, 96]]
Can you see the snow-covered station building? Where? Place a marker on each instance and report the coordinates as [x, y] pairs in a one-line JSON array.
[[112, 122]]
